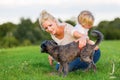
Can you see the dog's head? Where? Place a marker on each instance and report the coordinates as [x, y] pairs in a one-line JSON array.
[[48, 45]]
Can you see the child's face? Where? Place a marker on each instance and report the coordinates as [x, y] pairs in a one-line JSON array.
[[87, 26]]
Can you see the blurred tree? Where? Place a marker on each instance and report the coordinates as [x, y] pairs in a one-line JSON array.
[[110, 29], [6, 33], [24, 31], [6, 28], [71, 22]]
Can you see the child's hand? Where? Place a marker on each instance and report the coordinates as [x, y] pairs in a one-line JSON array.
[[82, 42]]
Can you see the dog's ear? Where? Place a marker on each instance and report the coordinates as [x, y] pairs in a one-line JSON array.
[[53, 43], [43, 43]]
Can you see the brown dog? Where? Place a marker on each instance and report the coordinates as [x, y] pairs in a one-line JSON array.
[[67, 53]]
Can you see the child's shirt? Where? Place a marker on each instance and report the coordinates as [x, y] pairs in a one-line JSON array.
[[80, 29]]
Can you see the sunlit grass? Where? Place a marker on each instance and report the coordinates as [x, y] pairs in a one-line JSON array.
[[27, 63]]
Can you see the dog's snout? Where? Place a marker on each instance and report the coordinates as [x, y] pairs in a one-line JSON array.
[[42, 48]]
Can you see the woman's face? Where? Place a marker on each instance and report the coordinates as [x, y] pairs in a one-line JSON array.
[[50, 26]]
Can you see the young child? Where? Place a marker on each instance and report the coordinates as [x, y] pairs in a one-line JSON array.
[[85, 22]]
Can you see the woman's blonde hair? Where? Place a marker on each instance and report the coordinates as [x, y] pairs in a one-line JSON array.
[[86, 18], [44, 15]]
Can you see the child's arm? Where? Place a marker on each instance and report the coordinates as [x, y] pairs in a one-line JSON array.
[[77, 35], [81, 38]]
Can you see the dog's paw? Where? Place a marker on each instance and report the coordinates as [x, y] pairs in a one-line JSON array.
[[86, 70]]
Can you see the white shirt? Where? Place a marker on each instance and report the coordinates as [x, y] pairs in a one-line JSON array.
[[80, 29], [67, 36]]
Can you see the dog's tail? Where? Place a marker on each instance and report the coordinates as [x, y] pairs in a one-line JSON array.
[[99, 36]]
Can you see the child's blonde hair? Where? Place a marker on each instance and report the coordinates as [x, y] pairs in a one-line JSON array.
[[44, 15], [86, 18]]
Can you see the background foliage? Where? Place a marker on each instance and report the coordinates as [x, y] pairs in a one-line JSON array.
[[29, 33]]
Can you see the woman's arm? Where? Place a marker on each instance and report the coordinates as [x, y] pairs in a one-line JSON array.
[[50, 60], [92, 43]]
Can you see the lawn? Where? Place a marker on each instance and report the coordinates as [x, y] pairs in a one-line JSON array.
[[27, 63]]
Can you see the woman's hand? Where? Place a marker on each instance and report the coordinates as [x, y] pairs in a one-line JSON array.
[[92, 43], [50, 60]]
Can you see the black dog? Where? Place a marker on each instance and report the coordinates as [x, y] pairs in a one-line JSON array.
[[67, 53]]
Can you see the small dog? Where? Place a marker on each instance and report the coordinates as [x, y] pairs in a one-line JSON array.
[[67, 53]]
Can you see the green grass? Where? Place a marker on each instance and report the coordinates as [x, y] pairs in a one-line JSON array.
[[27, 63]]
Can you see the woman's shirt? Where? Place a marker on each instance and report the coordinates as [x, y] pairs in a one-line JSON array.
[[67, 36]]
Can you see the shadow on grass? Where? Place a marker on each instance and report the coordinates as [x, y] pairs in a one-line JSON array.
[[45, 69], [39, 65]]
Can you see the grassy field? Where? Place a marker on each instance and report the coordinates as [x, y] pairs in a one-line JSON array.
[[27, 63]]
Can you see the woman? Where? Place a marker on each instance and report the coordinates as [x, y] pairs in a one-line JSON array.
[[62, 33]]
